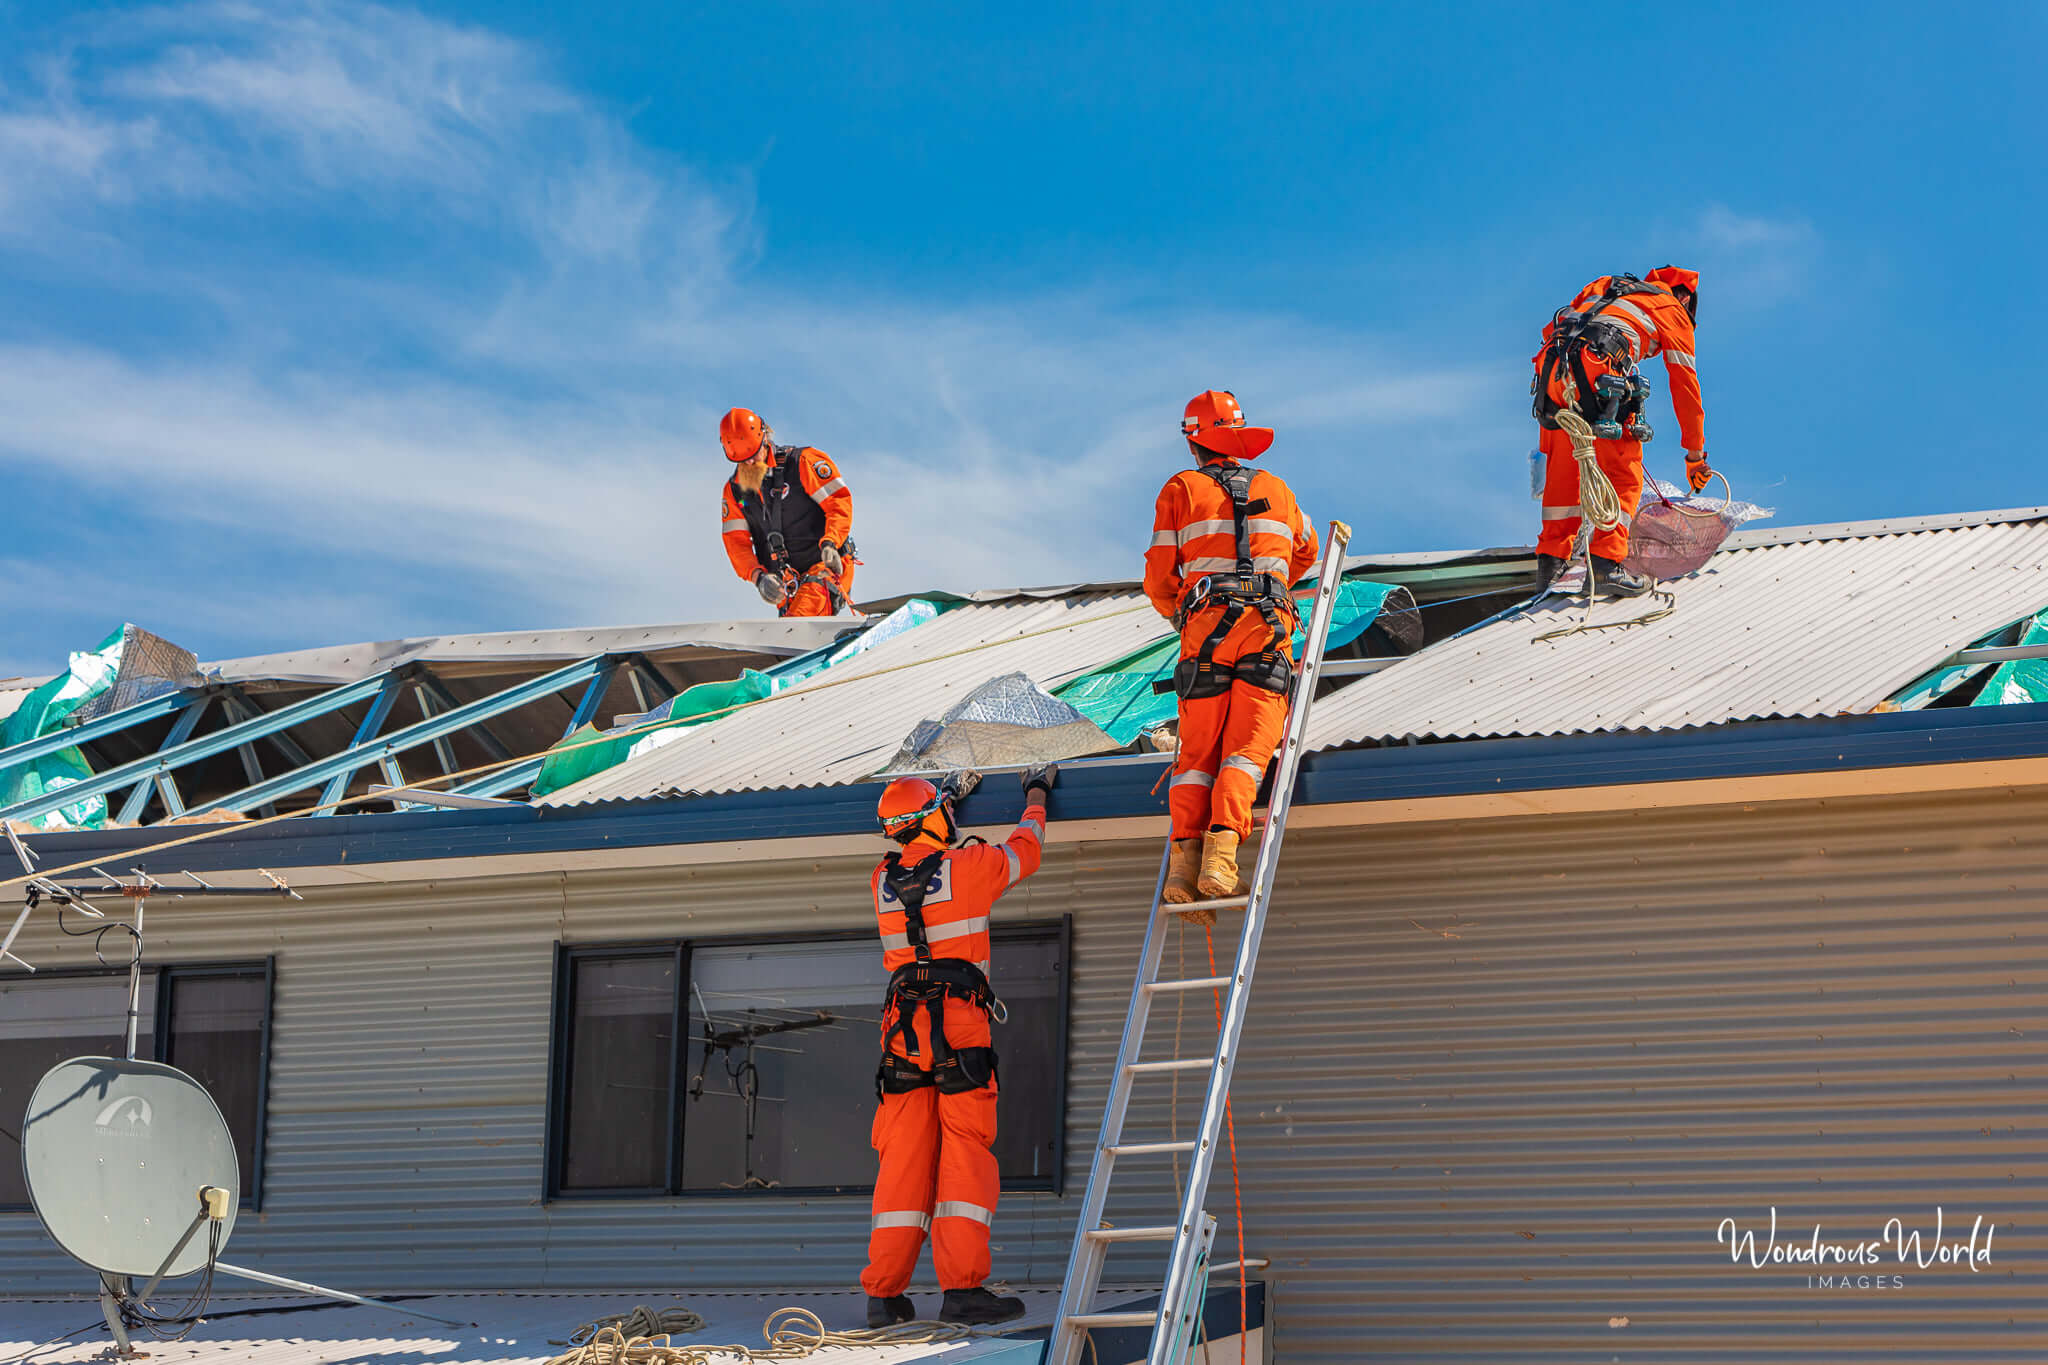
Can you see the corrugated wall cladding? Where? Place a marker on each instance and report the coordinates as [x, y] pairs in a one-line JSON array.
[[1502, 1083], [1808, 628]]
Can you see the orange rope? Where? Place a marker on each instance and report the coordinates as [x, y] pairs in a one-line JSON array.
[[1236, 1190]]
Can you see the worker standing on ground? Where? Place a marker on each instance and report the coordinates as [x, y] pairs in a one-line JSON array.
[[1227, 544], [1588, 362], [786, 517], [937, 1080]]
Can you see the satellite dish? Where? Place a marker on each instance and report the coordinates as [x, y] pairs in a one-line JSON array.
[[115, 1154]]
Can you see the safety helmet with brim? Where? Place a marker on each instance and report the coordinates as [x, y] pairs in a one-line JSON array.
[[1214, 421]]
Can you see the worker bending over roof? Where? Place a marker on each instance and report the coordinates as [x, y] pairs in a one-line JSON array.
[[937, 1080], [786, 517], [1588, 362], [1227, 544]]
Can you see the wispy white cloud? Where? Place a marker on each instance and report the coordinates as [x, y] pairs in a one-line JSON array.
[[519, 401]]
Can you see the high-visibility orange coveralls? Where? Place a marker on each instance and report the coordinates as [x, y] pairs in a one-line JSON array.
[[803, 501], [1653, 323], [1226, 741], [933, 1133]]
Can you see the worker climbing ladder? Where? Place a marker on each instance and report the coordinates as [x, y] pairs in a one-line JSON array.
[[1180, 1301]]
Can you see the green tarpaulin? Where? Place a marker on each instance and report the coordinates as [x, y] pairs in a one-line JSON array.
[[2022, 680], [1120, 699], [43, 712]]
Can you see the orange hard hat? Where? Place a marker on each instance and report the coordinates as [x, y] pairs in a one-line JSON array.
[[1675, 278], [1215, 422], [741, 432], [905, 805]]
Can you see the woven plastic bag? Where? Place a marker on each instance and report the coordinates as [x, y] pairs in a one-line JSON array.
[[1674, 533]]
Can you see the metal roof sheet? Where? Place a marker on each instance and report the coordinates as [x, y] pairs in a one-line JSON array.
[[1803, 621], [846, 723], [334, 664]]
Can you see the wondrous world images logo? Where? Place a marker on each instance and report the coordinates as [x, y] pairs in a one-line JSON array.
[[1866, 1264]]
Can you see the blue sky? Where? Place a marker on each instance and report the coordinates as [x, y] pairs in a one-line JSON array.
[[332, 321]]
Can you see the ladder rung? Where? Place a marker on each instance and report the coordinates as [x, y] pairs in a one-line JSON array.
[[1250, 1263], [1158, 1234], [1113, 1319], [1199, 983], [1181, 1064], [1191, 907], [1150, 1148]]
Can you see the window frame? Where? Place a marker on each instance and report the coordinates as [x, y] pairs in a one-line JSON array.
[[1057, 929], [167, 975]]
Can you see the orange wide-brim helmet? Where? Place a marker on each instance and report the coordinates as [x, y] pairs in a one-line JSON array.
[[741, 432], [1214, 421], [906, 804]]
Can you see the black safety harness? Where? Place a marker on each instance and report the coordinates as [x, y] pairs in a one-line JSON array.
[[926, 984], [771, 544], [1616, 399], [1199, 675]]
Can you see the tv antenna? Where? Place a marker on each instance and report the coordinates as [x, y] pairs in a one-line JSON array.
[[128, 1162]]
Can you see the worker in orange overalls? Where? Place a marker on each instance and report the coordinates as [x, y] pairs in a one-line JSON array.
[[786, 517], [937, 1080], [1588, 362], [1227, 544]]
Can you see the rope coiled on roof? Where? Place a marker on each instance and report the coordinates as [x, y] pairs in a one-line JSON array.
[[789, 1333]]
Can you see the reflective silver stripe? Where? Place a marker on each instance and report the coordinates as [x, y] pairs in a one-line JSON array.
[[1683, 358], [959, 928], [1560, 513], [1037, 830], [736, 524], [895, 941], [1207, 528], [1268, 526], [960, 1208], [1192, 779], [1272, 564], [1636, 315], [905, 1218], [1166, 540], [1255, 771], [1016, 867], [826, 490]]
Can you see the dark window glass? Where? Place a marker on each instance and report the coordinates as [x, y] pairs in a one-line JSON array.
[[50, 1019], [778, 1067], [1032, 1043], [620, 1050], [782, 1065], [216, 1037]]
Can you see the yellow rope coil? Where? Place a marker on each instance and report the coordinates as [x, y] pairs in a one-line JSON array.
[[790, 1333]]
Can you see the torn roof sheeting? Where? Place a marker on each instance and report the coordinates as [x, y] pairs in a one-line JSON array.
[[1796, 621], [336, 664], [845, 724]]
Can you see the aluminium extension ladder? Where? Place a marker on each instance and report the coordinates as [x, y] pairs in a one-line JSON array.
[[1180, 1302]]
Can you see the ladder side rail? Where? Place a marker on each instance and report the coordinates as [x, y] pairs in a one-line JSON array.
[[1084, 1261], [1294, 735]]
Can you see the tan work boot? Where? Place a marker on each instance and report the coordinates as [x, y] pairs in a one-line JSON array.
[[1219, 865], [1182, 865]]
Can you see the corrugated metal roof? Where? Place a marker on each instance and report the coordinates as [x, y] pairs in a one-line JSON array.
[[847, 722], [511, 1329], [335, 664], [1797, 622]]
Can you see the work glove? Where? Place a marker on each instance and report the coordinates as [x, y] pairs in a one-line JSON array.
[[959, 785], [828, 558], [770, 586], [1697, 472], [1039, 782]]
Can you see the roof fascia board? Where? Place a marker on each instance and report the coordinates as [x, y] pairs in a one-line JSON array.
[[1989, 745]]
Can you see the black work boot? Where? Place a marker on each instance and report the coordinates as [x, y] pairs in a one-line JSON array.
[[1614, 581], [977, 1307], [1546, 572], [890, 1311]]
